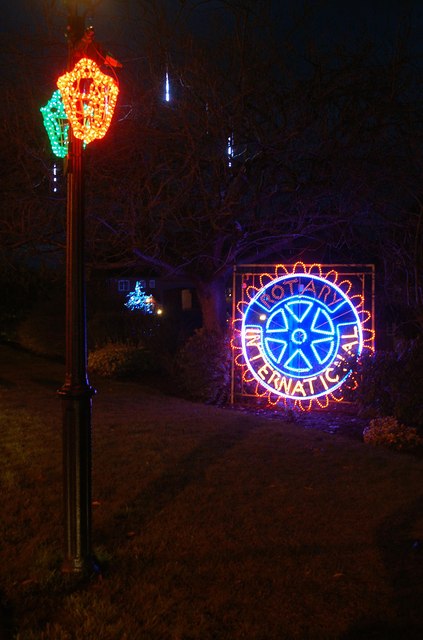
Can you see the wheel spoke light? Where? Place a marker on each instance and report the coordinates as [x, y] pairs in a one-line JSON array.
[[56, 124], [89, 98]]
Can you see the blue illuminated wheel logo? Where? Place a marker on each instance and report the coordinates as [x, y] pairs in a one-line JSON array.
[[298, 334]]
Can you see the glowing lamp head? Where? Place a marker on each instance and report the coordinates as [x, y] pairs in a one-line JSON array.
[[89, 98], [56, 124]]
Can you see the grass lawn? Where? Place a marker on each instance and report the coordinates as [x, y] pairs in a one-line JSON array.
[[210, 523]]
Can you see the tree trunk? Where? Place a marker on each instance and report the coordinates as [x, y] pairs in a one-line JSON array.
[[211, 295]]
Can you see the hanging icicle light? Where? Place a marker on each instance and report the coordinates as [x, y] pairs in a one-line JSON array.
[[56, 124], [54, 186], [230, 149], [167, 87], [89, 98]]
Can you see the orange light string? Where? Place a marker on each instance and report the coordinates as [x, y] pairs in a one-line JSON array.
[[89, 97]]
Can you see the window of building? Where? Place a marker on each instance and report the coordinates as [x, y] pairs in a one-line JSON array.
[[123, 285]]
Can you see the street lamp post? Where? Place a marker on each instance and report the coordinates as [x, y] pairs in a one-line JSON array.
[[86, 98], [76, 392]]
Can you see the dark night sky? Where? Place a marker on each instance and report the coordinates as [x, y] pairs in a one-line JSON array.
[[332, 21]]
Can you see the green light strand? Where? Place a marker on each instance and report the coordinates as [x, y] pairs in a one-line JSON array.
[[56, 124]]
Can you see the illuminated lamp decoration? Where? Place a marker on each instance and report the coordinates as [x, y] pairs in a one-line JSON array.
[[56, 124], [138, 299], [298, 330], [89, 98]]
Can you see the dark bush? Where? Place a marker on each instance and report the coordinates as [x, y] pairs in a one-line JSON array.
[[204, 367], [388, 432], [119, 325], [117, 360], [376, 391], [30, 297], [409, 384], [391, 384], [43, 330], [109, 321]]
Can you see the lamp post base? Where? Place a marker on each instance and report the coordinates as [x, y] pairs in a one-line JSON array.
[[76, 407], [81, 566]]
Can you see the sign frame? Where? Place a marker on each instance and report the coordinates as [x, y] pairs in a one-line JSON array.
[[296, 330]]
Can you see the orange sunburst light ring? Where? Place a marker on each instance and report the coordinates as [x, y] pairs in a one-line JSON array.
[[345, 286], [281, 268], [251, 291], [332, 276], [315, 269], [299, 267], [264, 279]]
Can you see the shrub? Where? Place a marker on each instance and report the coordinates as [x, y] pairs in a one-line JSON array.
[[391, 383], [117, 360], [43, 330], [391, 433], [409, 384], [155, 334], [120, 326], [376, 392], [26, 293], [204, 367]]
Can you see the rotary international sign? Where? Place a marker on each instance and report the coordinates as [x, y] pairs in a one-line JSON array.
[[297, 328]]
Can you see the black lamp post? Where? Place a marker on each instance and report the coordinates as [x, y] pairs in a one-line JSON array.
[[76, 392], [89, 111]]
